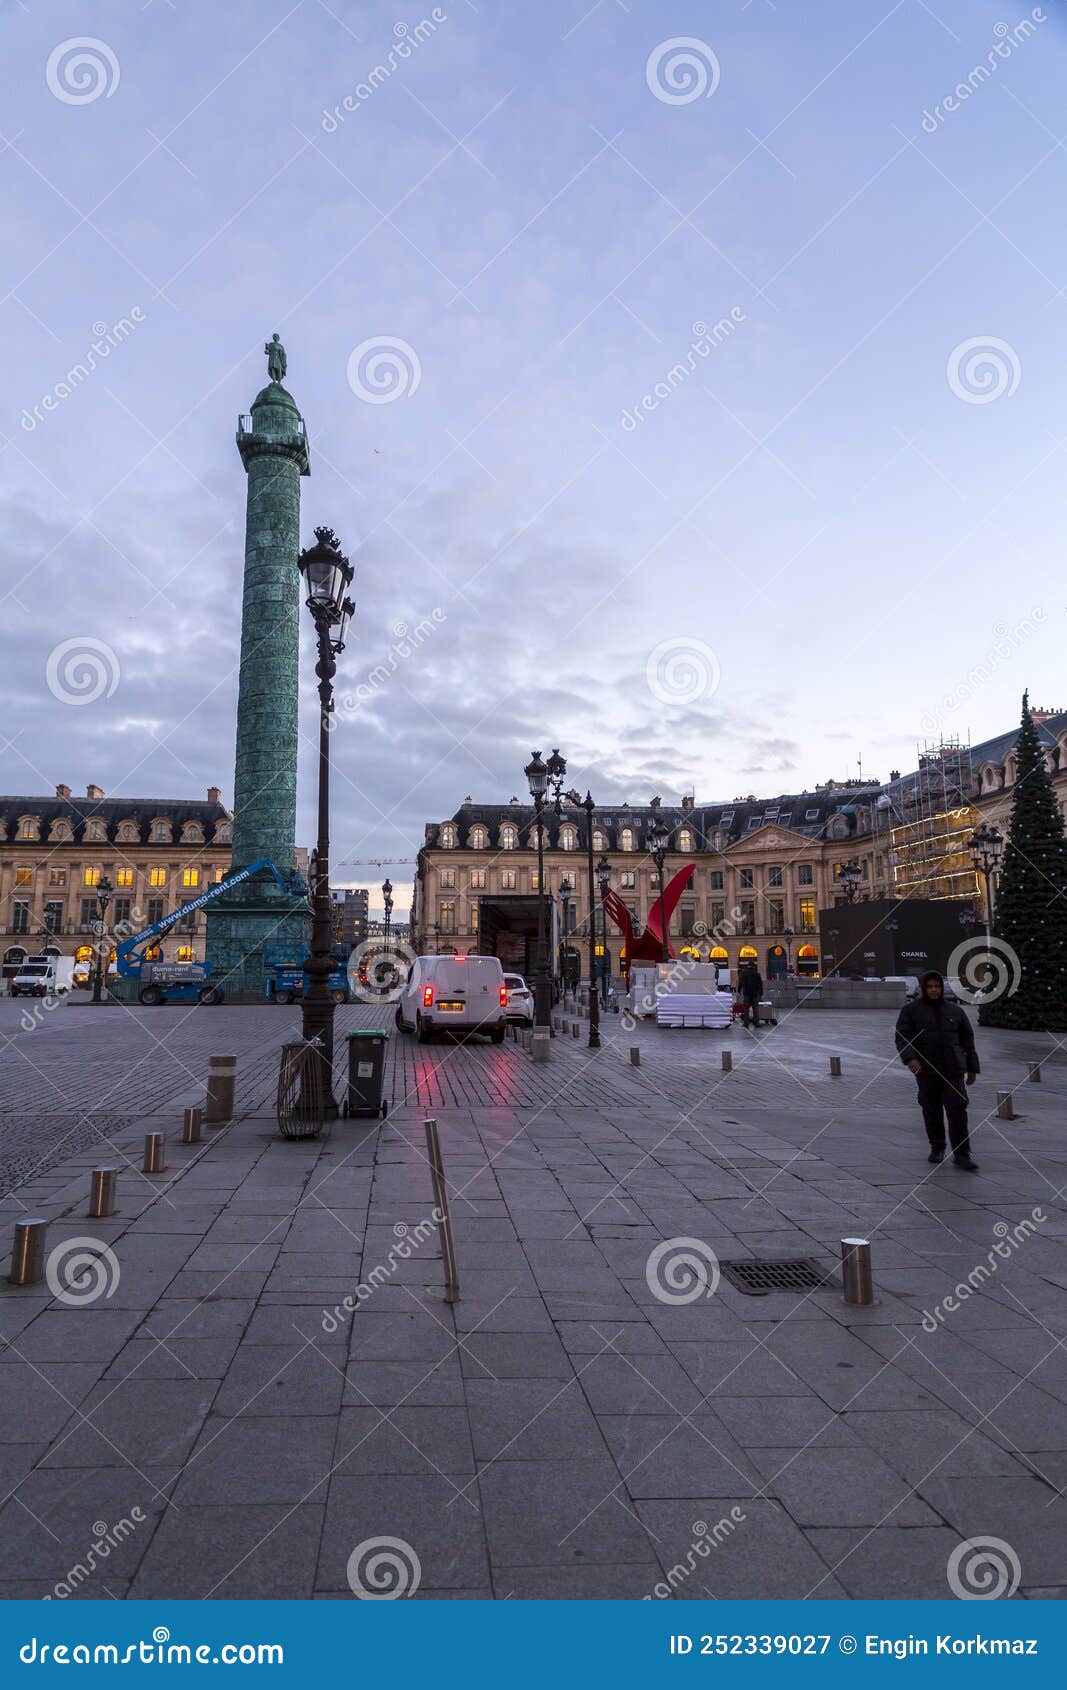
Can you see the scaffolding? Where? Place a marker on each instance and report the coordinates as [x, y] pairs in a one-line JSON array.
[[930, 850]]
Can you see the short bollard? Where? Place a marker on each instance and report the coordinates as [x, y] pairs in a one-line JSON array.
[[835, 1065], [191, 1123], [727, 1061], [155, 1153], [539, 1043], [635, 1056], [27, 1252], [576, 1031], [856, 1272], [221, 1077], [444, 1220], [1034, 1072], [102, 1193], [1005, 1106]]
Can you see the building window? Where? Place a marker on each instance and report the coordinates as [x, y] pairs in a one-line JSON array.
[[746, 879], [191, 832], [718, 914], [775, 915], [628, 877], [447, 879], [507, 880], [94, 830], [185, 953], [156, 907], [20, 917], [127, 832], [774, 875], [161, 832], [187, 924], [747, 923], [717, 881], [24, 877], [508, 837], [685, 840], [53, 917], [600, 840], [448, 837], [123, 911], [190, 877], [568, 839], [124, 877], [626, 839], [90, 912], [57, 877], [474, 915], [535, 881], [807, 915], [477, 880], [91, 877], [220, 873], [224, 833], [446, 915], [28, 828], [157, 877], [477, 838], [688, 919], [805, 875]]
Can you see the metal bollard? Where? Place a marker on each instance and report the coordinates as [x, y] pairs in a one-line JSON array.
[[856, 1272], [576, 1031], [835, 1065], [1005, 1106], [539, 1043], [1034, 1073], [444, 1221], [27, 1252], [155, 1153], [727, 1061], [191, 1124], [221, 1078], [102, 1193], [635, 1056]]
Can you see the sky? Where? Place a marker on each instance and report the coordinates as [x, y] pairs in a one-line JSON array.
[[684, 382]]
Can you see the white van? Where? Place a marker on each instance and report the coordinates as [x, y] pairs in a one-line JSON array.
[[463, 994], [43, 977]]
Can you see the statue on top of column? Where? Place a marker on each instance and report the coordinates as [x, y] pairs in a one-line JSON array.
[[275, 359]]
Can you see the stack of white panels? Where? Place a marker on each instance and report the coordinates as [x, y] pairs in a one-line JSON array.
[[695, 1009]]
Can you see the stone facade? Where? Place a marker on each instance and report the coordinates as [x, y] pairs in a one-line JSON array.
[[158, 853]]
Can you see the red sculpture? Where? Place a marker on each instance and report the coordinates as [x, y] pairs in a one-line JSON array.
[[649, 947]]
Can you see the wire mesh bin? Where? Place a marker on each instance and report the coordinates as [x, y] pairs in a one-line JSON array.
[[302, 1090], [366, 1073]]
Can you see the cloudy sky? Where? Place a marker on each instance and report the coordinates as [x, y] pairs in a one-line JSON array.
[[496, 239]]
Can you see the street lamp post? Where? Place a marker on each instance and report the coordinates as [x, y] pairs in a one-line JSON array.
[[603, 876], [104, 890], [987, 843], [586, 804], [565, 890], [788, 935], [543, 779], [327, 577], [387, 901], [850, 874], [659, 839]]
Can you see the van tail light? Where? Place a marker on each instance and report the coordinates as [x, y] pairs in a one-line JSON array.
[[427, 997], [503, 997]]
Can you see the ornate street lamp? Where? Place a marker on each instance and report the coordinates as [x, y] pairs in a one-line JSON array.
[[387, 900], [104, 891], [659, 839], [594, 1001], [987, 844], [788, 935], [565, 890], [603, 878], [327, 577], [850, 874], [545, 780]]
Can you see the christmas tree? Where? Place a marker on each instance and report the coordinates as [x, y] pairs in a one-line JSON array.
[[1030, 918]]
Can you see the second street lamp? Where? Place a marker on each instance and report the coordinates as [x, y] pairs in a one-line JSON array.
[[104, 890], [603, 877], [543, 779], [327, 577], [659, 839], [987, 843], [850, 874], [594, 997]]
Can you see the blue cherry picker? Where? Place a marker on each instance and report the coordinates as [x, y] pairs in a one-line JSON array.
[[186, 982]]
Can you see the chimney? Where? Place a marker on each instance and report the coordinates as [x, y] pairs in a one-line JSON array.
[[62, 791], [94, 791], [214, 795]]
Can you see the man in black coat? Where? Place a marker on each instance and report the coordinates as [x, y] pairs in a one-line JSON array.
[[935, 1040], [751, 983]]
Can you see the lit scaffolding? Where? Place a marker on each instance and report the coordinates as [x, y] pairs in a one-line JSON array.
[[930, 846]]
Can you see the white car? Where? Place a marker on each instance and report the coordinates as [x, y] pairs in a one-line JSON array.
[[520, 1000], [462, 994]]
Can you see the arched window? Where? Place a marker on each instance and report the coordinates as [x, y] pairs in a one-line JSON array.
[[626, 839], [747, 953], [568, 839], [185, 953], [128, 831], [224, 833], [719, 953], [1009, 770], [95, 829], [29, 828], [448, 836], [477, 838], [192, 833], [685, 839], [508, 837], [600, 840], [161, 831], [60, 830]]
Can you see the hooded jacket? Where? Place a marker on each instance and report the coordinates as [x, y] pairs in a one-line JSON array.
[[938, 1034]]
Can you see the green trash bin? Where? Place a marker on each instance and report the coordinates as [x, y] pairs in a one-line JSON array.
[[366, 1073]]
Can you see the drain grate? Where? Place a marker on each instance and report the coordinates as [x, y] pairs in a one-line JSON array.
[[757, 1278]]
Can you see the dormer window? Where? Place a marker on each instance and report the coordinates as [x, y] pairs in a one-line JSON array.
[[94, 829], [600, 840], [29, 828], [568, 839], [224, 833], [478, 838], [128, 832], [508, 837], [60, 830], [448, 836], [626, 839], [161, 832], [685, 839], [192, 833]]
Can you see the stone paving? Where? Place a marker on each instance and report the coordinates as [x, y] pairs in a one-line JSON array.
[[571, 1427]]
